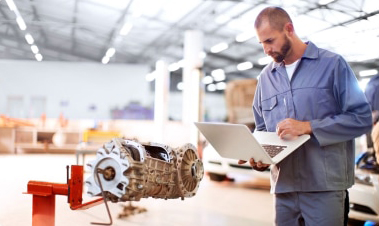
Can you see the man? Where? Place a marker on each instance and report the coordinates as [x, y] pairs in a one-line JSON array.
[[307, 90], [372, 95]]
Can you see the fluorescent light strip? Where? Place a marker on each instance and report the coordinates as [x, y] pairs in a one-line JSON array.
[[181, 63], [211, 87], [21, 23], [110, 52], [39, 57], [219, 47], [366, 73], [218, 75], [105, 60], [220, 86], [11, 5], [244, 66], [180, 85], [34, 48], [173, 67], [29, 39], [207, 79]]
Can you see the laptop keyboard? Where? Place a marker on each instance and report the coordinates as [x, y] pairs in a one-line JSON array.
[[273, 150]]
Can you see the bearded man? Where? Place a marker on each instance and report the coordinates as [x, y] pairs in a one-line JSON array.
[[308, 90]]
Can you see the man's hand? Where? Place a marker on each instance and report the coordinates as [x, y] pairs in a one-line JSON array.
[[289, 129], [259, 166]]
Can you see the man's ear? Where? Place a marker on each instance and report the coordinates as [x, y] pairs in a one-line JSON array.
[[288, 27]]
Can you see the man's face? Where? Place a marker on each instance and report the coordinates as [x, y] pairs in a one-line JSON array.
[[280, 55], [275, 43]]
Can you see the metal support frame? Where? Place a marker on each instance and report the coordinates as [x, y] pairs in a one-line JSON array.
[[44, 197]]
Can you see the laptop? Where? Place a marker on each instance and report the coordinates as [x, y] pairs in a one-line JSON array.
[[236, 141]]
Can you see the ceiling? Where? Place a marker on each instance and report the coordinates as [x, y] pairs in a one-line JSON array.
[[83, 30]]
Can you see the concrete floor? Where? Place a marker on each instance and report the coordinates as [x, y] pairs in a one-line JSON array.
[[236, 203]]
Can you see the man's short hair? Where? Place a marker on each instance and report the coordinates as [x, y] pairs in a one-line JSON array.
[[276, 16]]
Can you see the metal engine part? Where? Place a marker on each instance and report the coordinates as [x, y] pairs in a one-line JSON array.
[[129, 170]]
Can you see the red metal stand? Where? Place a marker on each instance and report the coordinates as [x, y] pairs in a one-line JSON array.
[[44, 197]]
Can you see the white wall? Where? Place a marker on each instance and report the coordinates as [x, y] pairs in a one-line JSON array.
[[213, 104], [83, 84], [80, 84]]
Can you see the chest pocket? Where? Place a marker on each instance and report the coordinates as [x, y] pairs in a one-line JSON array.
[[272, 113], [269, 104]]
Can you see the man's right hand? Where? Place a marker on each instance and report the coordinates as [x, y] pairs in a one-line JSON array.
[[259, 166]]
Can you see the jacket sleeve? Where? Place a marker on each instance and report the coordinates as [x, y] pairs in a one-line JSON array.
[[355, 117], [257, 109]]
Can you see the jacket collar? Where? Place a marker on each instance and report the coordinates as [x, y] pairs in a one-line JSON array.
[[311, 52]]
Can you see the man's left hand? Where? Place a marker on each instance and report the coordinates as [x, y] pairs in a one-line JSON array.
[[289, 128]]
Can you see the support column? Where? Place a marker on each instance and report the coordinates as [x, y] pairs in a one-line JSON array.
[[162, 89], [43, 210], [192, 89]]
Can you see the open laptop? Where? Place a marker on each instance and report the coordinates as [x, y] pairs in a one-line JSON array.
[[236, 141]]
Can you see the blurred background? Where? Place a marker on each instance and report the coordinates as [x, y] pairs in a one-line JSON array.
[[77, 73]]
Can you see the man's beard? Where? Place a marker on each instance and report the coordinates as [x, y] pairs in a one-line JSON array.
[[279, 56]]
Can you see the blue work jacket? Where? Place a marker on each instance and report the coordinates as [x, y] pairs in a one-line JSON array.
[[324, 91], [372, 93]]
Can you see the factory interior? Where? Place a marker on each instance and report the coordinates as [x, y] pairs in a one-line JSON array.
[[120, 84]]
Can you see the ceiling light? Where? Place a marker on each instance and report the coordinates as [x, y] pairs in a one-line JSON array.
[[218, 75], [110, 52], [126, 29], [264, 60], [38, 56], [366, 73], [243, 37], [21, 23], [173, 67], [150, 77], [219, 47], [244, 66], [180, 85], [181, 63], [325, 2], [11, 5], [105, 60], [211, 87], [207, 79], [221, 86], [29, 39], [35, 49]]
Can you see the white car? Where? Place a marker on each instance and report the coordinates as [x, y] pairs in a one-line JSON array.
[[364, 197], [220, 169]]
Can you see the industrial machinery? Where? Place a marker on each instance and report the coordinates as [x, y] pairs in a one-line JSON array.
[[128, 171], [124, 170]]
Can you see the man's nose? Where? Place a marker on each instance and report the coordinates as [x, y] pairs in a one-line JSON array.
[[266, 49]]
